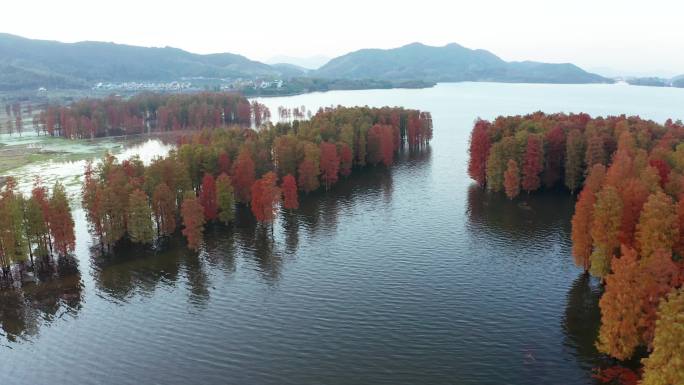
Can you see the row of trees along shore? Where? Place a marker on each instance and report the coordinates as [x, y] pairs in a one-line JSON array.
[[628, 225], [32, 228], [149, 112], [212, 170], [15, 117]]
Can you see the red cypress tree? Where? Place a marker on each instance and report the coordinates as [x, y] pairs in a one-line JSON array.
[[620, 313], [583, 217], [479, 152], [512, 179], [164, 209], [596, 152], [381, 145], [663, 170], [679, 245], [265, 197], [308, 176], [634, 195], [374, 155], [346, 159], [289, 187], [658, 227], [574, 156], [605, 229], [244, 176], [224, 163], [244, 113], [329, 164], [257, 203], [40, 196], [192, 213], [92, 200], [532, 164], [61, 222], [555, 156], [658, 275], [620, 169], [387, 145], [208, 197]]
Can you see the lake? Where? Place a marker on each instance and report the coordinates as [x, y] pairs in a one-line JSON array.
[[403, 276]]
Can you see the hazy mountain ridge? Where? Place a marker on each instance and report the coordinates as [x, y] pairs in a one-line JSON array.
[[29, 64], [81, 64], [654, 81], [449, 63], [308, 63]]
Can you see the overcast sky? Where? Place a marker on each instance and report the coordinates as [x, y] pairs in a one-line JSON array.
[[629, 36]]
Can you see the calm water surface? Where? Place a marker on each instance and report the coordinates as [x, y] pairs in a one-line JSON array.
[[406, 276]]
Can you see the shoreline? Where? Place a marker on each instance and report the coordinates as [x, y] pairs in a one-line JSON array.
[[69, 95]]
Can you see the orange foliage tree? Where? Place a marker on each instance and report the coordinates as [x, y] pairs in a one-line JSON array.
[[265, 198], [244, 176], [583, 218], [329, 164], [512, 179], [164, 209], [658, 226], [479, 152], [289, 187], [192, 213], [532, 164], [605, 227], [620, 314], [208, 197]]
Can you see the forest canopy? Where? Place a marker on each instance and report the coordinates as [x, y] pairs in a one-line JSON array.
[[149, 112], [212, 170], [628, 225]]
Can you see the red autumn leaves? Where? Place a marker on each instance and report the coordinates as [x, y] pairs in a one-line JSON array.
[[264, 169], [329, 164], [265, 197], [289, 188], [628, 225], [142, 113], [38, 226], [479, 152]]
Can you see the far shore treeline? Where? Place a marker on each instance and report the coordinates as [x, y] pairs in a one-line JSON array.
[[149, 112], [628, 225]]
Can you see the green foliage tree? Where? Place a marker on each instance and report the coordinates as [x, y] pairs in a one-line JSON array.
[[192, 213], [658, 226], [140, 226], [225, 198], [61, 221], [665, 365], [574, 160], [605, 227]]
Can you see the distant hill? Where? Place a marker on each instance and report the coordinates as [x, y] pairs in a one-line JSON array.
[[290, 70], [29, 63], [309, 63], [649, 81], [450, 63], [677, 81]]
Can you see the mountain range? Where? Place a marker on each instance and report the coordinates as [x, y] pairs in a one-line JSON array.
[[450, 63], [306, 63], [29, 64], [654, 81]]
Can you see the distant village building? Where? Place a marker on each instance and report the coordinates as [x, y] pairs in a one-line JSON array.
[[144, 86]]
